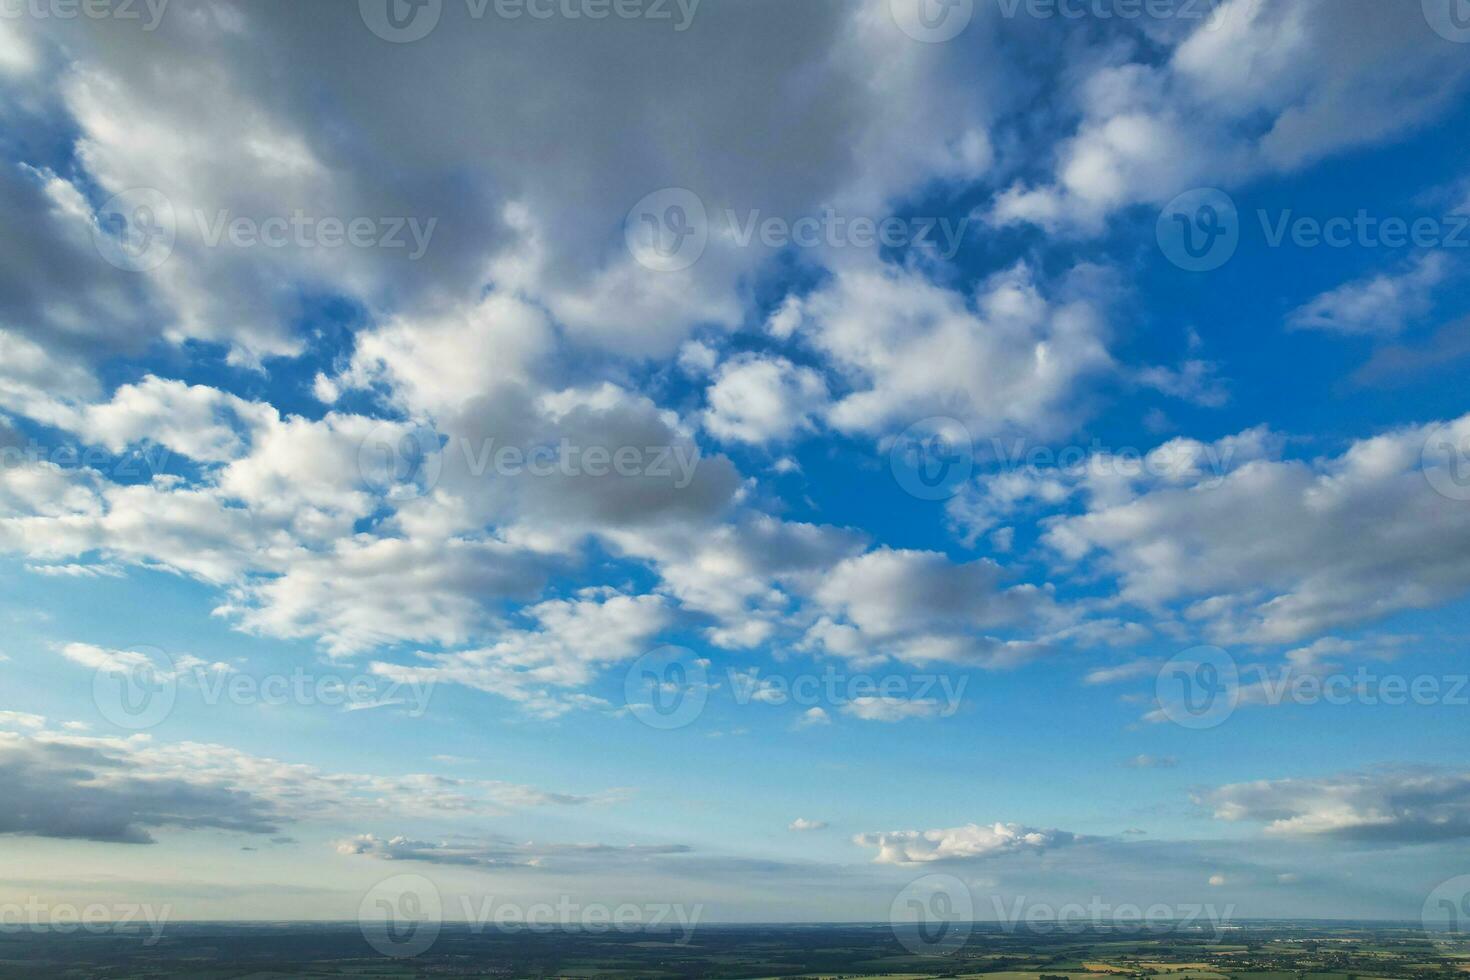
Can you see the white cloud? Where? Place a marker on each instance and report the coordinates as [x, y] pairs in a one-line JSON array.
[[968, 843], [1261, 88], [813, 717], [1001, 361], [502, 852], [919, 607], [368, 591], [1380, 305], [1384, 806], [763, 399], [1123, 672], [802, 824], [571, 640], [1281, 550], [119, 790], [891, 709]]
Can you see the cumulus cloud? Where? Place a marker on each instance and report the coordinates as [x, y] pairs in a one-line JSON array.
[[813, 717], [802, 824], [121, 790], [972, 842], [1279, 550], [567, 644], [1385, 806], [1260, 88], [759, 400], [919, 607], [1002, 360]]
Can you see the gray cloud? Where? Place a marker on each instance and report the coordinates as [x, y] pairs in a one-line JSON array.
[[1385, 806], [85, 792], [503, 852]]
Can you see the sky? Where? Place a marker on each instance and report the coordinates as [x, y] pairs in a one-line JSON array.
[[775, 459]]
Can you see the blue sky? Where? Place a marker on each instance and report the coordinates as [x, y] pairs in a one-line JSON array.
[[489, 455]]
